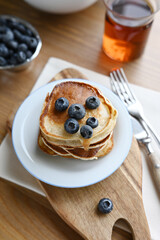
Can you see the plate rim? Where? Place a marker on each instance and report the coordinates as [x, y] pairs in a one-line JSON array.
[[99, 85]]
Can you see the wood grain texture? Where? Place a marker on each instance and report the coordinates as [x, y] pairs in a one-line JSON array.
[[67, 73], [25, 219], [122, 233], [117, 233], [78, 39], [78, 207]]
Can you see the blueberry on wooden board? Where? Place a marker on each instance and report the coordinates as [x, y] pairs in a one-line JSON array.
[[105, 205]]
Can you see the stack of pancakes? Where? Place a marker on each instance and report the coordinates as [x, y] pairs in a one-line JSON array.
[[53, 138]]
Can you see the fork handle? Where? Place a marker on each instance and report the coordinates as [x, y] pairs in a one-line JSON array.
[[154, 164], [147, 126]]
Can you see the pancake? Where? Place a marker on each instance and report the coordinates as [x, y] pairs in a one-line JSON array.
[[44, 147], [52, 121], [78, 153], [53, 138]]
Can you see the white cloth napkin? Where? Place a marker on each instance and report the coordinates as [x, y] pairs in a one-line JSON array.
[[12, 170]]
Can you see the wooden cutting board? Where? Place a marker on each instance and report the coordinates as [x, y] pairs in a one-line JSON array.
[[78, 207]]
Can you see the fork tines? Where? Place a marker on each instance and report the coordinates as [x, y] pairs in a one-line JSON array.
[[121, 87]]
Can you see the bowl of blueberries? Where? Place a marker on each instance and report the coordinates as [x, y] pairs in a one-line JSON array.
[[20, 43]]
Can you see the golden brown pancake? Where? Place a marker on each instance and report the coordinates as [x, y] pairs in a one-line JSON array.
[[53, 138], [79, 153]]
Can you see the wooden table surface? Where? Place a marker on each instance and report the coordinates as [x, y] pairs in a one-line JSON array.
[[76, 38]]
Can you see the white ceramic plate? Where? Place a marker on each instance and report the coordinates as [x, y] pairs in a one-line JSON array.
[[61, 6], [66, 172]]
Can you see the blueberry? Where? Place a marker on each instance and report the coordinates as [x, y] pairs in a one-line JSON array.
[[9, 22], [3, 29], [3, 51], [71, 125], [92, 102], [25, 39], [61, 104], [29, 54], [86, 131], [17, 35], [11, 52], [76, 111], [2, 21], [32, 42], [92, 122], [3, 61], [8, 35], [105, 205], [16, 25], [2, 45], [21, 57], [29, 32], [13, 59], [22, 47], [13, 44], [20, 27]]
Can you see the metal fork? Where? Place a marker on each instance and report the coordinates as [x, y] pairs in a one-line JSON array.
[[153, 158], [121, 87]]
